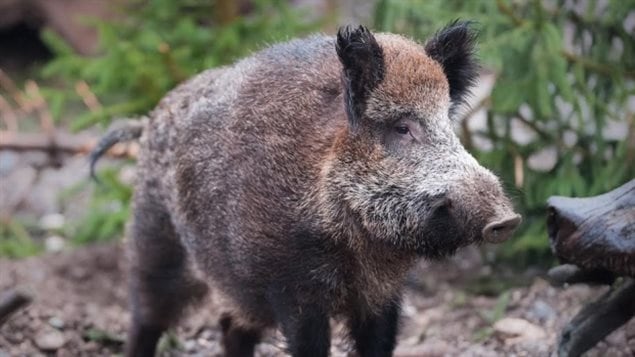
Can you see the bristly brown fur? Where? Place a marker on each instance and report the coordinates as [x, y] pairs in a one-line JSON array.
[[287, 183]]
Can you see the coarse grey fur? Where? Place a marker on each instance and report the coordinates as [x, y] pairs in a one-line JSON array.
[[282, 183]]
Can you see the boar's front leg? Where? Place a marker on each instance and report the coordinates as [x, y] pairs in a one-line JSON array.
[[238, 341], [376, 334], [304, 325]]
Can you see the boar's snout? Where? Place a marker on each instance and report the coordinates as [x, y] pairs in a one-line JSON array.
[[500, 230], [481, 206]]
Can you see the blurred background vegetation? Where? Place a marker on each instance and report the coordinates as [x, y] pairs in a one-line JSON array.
[[560, 118], [554, 115]]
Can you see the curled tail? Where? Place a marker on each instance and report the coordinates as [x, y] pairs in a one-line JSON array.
[[119, 132]]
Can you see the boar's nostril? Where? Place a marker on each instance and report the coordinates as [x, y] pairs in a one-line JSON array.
[[501, 230]]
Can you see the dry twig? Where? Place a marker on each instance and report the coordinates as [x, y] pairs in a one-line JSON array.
[[8, 114], [60, 142], [88, 97]]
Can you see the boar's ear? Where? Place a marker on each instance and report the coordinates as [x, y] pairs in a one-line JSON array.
[[453, 48], [363, 62]]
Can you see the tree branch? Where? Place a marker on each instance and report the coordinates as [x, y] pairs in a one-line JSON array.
[[599, 68], [60, 142], [503, 8], [538, 130], [465, 131], [598, 319]]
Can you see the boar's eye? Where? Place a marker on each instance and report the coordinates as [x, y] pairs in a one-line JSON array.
[[402, 129], [402, 134]]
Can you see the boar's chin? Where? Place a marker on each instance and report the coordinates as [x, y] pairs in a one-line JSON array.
[[442, 236]]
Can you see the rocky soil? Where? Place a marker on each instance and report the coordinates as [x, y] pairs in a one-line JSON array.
[[79, 309]]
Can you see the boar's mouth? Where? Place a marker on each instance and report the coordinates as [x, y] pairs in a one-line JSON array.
[[442, 234], [447, 229]]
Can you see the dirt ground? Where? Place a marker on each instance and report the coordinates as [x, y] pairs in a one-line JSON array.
[[79, 309]]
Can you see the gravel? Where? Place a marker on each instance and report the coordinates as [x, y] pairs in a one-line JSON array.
[[79, 308]]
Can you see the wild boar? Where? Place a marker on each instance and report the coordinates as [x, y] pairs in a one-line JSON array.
[[302, 183]]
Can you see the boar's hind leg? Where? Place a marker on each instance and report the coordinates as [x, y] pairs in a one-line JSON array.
[[376, 335], [238, 341], [161, 285]]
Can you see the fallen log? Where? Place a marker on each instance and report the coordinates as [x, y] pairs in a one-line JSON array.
[[572, 274], [594, 238], [595, 233], [598, 319]]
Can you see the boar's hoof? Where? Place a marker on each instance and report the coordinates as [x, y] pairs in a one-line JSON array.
[[501, 230]]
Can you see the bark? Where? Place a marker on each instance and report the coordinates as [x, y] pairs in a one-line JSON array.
[[595, 233], [572, 274], [598, 319]]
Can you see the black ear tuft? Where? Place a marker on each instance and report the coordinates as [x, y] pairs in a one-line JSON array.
[[453, 47], [363, 62]]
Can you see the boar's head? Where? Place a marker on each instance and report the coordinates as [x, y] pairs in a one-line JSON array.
[[399, 174]]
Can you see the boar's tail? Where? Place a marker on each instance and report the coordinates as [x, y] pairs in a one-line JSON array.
[[120, 131]]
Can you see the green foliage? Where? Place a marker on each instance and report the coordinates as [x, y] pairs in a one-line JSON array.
[[560, 73], [103, 337], [158, 44], [15, 240], [498, 311], [169, 342], [493, 315], [105, 219], [107, 212]]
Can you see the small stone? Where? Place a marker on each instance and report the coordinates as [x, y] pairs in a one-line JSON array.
[[431, 348], [52, 221], [519, 329], [531, 347], [56, 322], [267, 349], [127, 175], [15, 186], [54, 244], [408, 309], [8, 161], [18, 337], [206, 334], [189, 346], [90, 346], [541, 311], [49, 340]]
